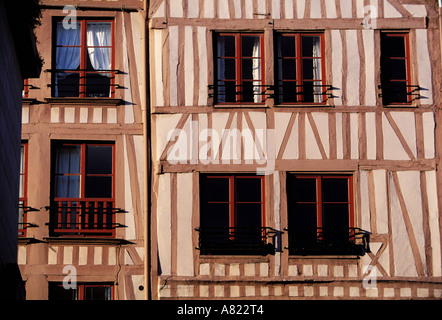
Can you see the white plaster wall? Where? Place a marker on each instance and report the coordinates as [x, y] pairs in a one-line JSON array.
[[185, 210], [164, 223]]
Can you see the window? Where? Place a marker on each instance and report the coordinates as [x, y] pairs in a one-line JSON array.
[[82, 291], [321, 215], [300, 69], [84, 59], [239, 68], [22, 205], [395, 68], [83, 188], [233, 215]]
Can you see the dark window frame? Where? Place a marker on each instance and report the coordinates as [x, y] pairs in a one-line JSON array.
[[82, 70], [80, 290], [386, 77], [299, 65], [233, 237], [239, 78], [323, 239], [85, 206], [23, 198]]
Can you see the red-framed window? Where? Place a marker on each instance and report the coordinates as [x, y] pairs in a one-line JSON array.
[[23, 193], [321, 215], [300, 68], [239, 68], [232, 219], [25, 93], [84, 58], [83, 188], [81, 291], [395, 68]]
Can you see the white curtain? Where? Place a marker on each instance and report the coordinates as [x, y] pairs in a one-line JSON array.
[[317, 75], [256, 71], [68, 160], [99, 45], [68, 57]]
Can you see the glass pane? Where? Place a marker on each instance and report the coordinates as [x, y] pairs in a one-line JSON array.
[[226, 46], [226, 69], [22, 184], [311, 69], [22, 159], [68, 34], [58, 292], [302, 189], [99, 33], [394, 92], [67, 186], [99, 160], [251, 46], [215, 215], [288, 92], [68, 159], [67, 58], [248, 189], [311, 46], [248, 215], [393, 46], [98, 187], [251, 69], [98, 293], [287, 46], [335, 222], [67, 85], [226, 91], [397, 69], [215, 189], [302, 223], [288, 69], [335, 190], [251, 91]]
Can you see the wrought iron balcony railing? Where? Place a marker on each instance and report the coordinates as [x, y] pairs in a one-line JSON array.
[[83, 217], [236, 241], [323, 241]]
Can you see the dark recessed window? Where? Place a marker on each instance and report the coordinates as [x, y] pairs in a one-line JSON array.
[[84, 59], [239, 67], [395, 68], [300, 68]]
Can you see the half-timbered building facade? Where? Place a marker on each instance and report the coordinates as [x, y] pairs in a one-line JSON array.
[[295, 149], [82, 209]]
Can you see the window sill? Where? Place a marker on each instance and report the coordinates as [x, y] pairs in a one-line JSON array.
[[337, 257], [398, 105], [307, 105], [111, 102], [234, 258], [86, 240], [238, 106]]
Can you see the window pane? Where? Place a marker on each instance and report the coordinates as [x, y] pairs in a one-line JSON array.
[[311, 69], [302, 189], [98, 293], [226, 46], [68, 159], [287, 46], [393, 46], [287, 69], [215, 189], [248, 189], [98, 187], [251, 69], [397, 69], [335, 222], [251, 46], [226, 69], [67, 84], [288, 92], [58, 292], [311, 46], [248, 215], [226, 91], [99, 160], [67, 186], [334, 190], [302, 223], [215, 215]]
